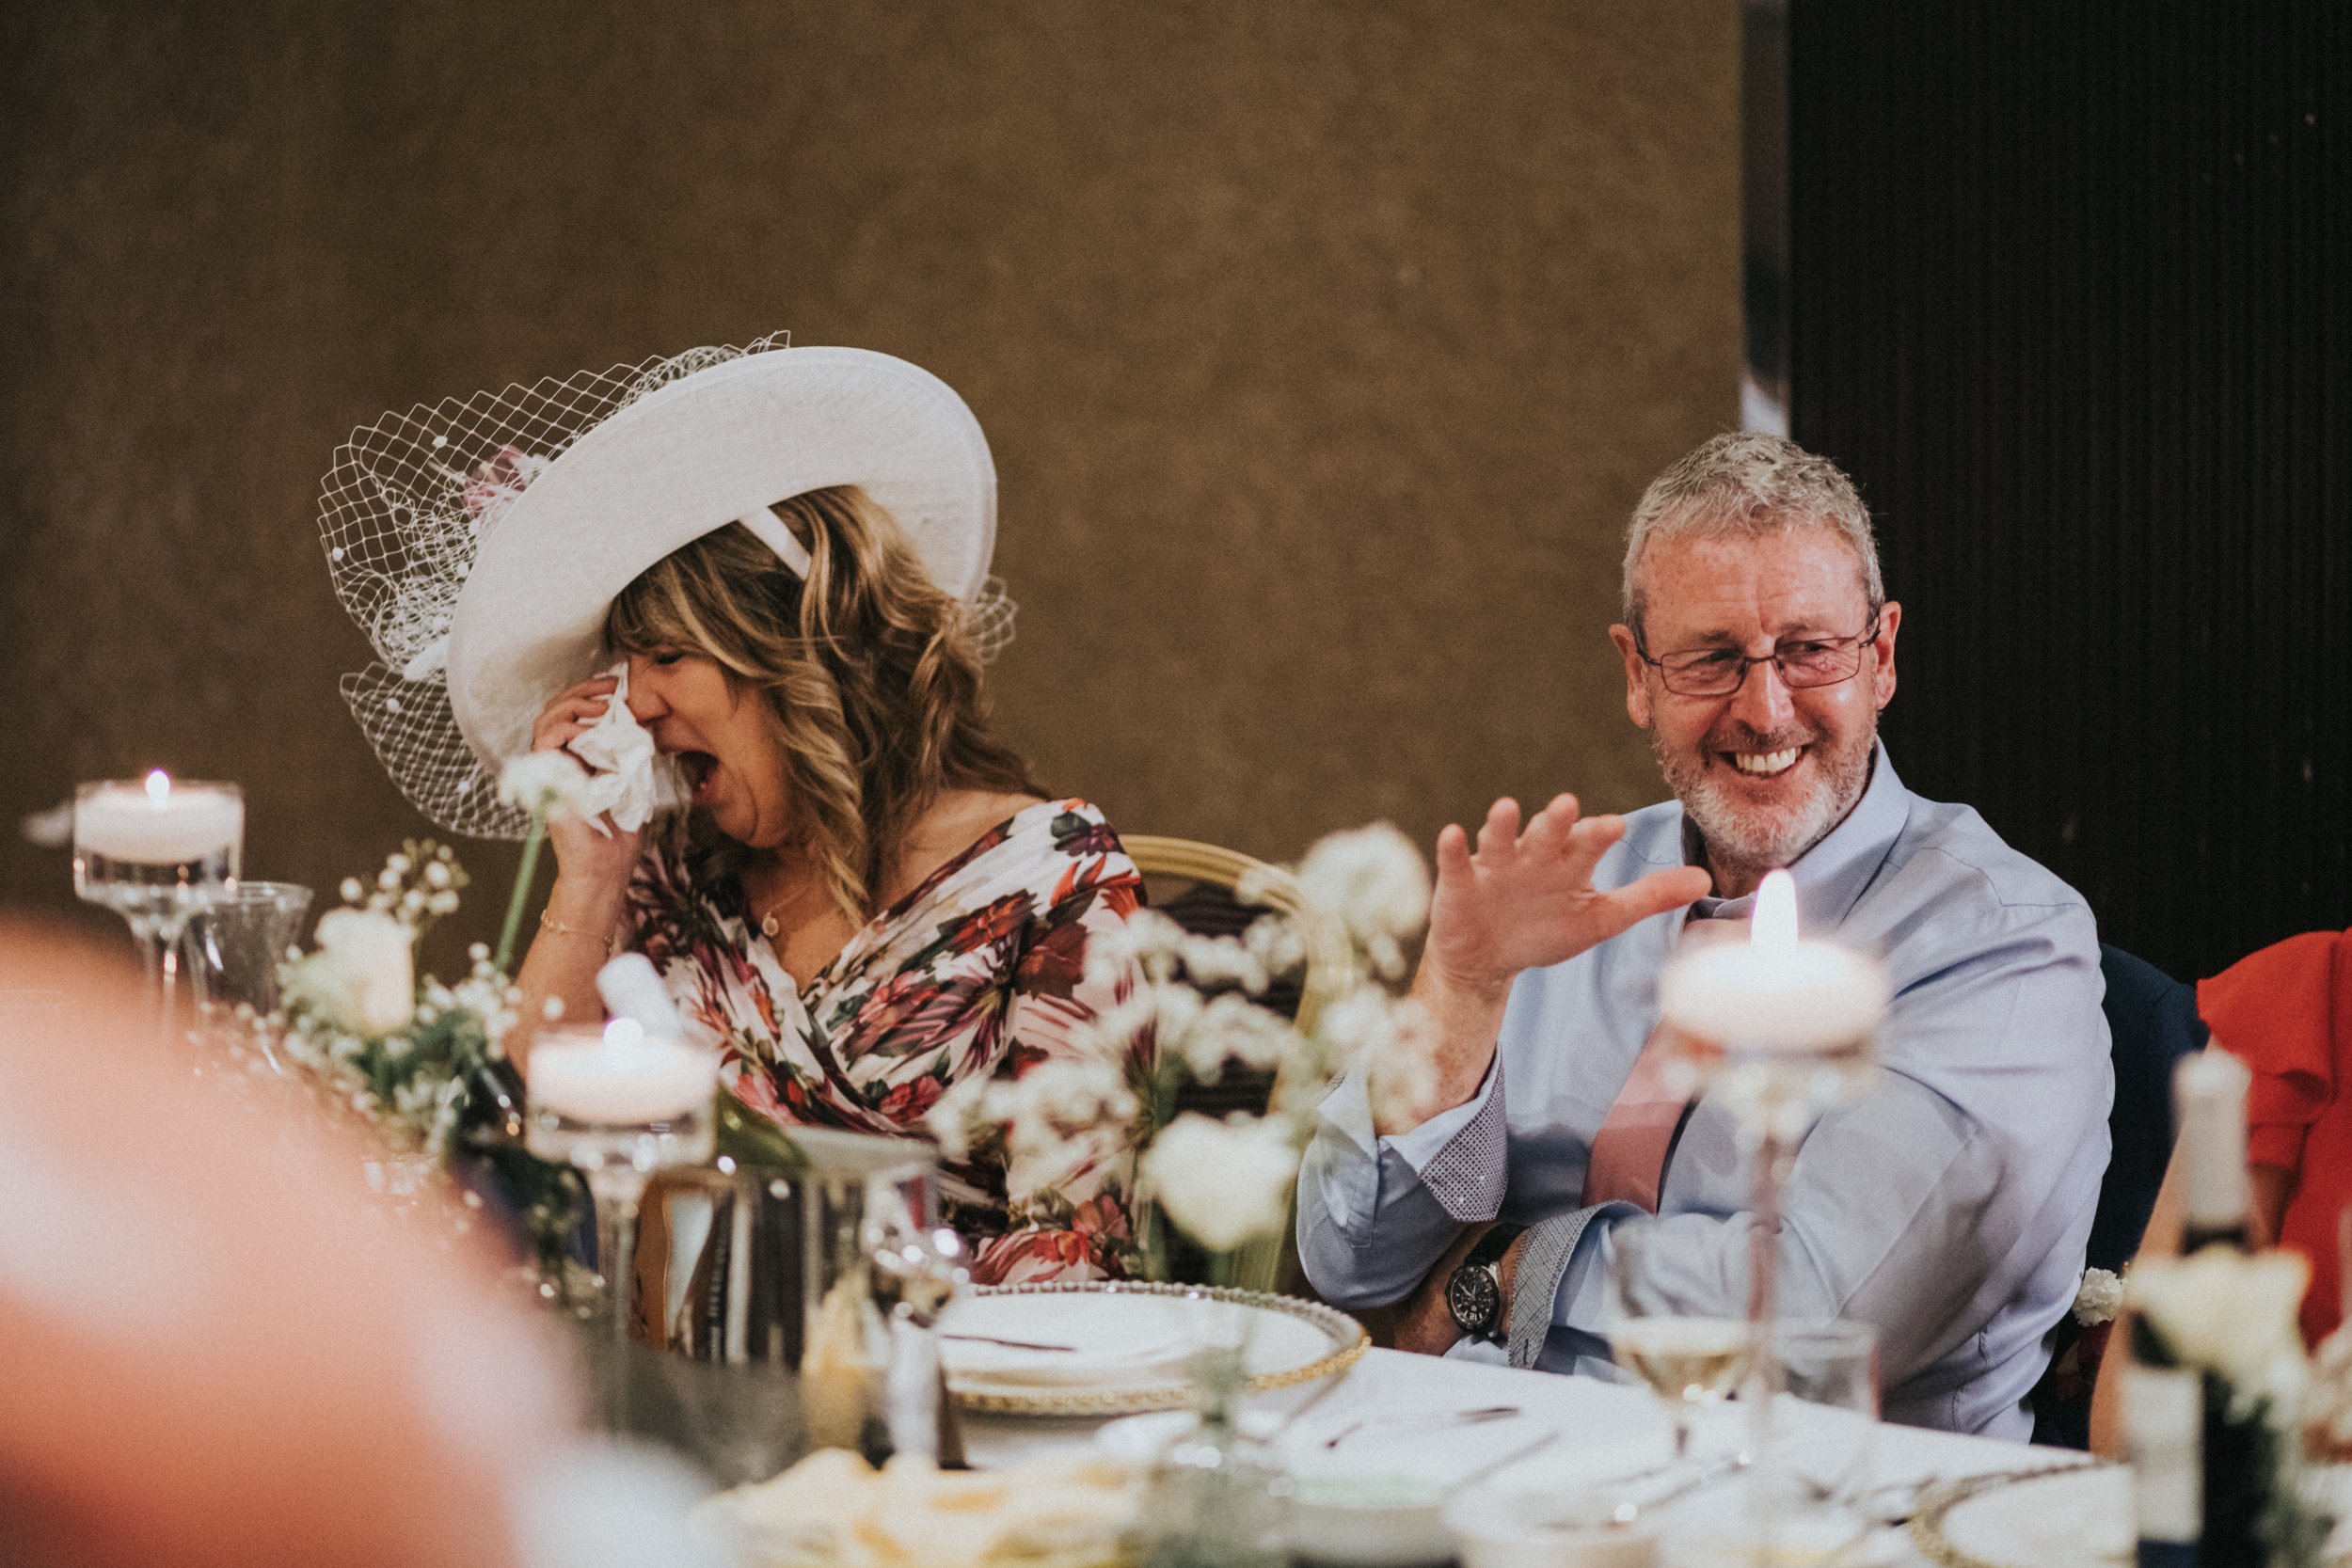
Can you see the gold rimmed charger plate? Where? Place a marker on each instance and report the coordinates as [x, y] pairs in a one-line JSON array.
[[2049, 1517], [1346, 1337]]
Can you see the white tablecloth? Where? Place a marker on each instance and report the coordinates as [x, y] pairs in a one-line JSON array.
[[1606, 1430]]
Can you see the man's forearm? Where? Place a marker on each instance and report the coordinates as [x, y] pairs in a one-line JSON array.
[[1466, 1019]]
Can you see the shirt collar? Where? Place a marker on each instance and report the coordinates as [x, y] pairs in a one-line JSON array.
[[1832, 875]]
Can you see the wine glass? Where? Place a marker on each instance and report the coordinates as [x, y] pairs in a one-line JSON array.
[[1688, 1362], [617, 1105], [1802, 1502], [157, 851], [1830, 1403]]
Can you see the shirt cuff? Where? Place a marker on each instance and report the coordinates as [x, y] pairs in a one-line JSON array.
[[1461, 1155]]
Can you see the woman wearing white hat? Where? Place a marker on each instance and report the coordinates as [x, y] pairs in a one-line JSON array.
[[773, 562]]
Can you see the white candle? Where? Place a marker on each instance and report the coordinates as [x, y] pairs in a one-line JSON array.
[[158, 823], [1774, 992], [620, 1078]]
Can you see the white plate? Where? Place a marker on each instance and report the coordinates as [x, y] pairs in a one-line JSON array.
[[1111, 1339], [1140, 1440], [1130, 1345], [2079, 1517]]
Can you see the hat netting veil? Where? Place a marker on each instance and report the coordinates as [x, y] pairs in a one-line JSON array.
[[403, 511]]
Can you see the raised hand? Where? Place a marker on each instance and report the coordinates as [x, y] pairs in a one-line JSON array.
[[598, 864], [1525, 898]]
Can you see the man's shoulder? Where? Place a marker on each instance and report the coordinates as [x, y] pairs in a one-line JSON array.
[[1956, 849]]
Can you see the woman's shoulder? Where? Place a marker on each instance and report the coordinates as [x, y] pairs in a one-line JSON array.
[[1024, 841], [1067, 827]]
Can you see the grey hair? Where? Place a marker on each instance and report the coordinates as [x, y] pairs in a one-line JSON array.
[[1746, 481]]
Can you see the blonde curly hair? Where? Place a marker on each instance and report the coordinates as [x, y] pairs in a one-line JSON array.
[[871, 673]]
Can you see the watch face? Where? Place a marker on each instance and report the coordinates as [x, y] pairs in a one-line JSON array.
[[1473, 1298]]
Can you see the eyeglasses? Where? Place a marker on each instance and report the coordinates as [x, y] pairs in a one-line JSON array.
[[1804, 662]]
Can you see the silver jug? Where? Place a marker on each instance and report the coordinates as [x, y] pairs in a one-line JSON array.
[[731, 1269]]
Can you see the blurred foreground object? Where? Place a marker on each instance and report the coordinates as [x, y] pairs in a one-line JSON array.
[[832, 1507], [214, 1351]]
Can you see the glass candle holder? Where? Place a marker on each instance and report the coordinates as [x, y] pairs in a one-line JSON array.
[[157, 851], [618, 1105], [1776, 1030]]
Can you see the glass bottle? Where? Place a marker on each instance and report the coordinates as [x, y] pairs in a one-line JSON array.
[[2201, 1475]]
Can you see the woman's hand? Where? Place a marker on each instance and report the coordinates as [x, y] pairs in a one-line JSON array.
[[596, 864]]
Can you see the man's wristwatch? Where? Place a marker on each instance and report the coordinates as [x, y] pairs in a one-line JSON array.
[[1475, 1292]]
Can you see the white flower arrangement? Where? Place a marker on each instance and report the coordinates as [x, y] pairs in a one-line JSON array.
[[1376, 884], [356, 1019], [1223, 1184], [1192, 1008]]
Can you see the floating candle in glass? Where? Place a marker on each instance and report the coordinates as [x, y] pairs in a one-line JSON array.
[[1775, 993], [156, 821], [620, 1077]]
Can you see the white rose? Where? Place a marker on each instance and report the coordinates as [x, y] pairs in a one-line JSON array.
[[1222, 1183], [2222, 1309], [548, 782], [2098, 1296], [363, 977]]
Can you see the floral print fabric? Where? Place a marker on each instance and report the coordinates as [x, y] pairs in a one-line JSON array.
[[980, 970]]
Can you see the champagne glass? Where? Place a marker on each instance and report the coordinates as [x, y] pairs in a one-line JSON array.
[[1689, 1361], [157, 851], [617, 1105]]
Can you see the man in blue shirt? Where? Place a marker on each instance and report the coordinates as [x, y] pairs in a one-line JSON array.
[[1947, 1205]]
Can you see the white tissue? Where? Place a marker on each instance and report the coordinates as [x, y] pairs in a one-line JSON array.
[[628, 781]]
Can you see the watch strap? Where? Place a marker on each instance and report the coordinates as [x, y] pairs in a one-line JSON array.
[[1491, 1247]]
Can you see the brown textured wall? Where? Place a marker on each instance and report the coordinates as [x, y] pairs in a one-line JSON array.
[[1323, 347]]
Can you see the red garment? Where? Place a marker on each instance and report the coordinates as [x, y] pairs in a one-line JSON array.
[[2286, 1012]]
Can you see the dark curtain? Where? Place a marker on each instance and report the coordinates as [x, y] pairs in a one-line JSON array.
[[2073, 301]]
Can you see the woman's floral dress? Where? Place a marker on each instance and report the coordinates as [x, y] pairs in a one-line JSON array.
[[980, 970]]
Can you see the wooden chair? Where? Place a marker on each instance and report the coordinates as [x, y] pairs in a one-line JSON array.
[[1196, 885]]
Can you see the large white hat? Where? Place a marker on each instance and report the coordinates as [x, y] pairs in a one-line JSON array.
[[479, 544]]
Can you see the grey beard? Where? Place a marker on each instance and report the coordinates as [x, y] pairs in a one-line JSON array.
[[1735, 837]]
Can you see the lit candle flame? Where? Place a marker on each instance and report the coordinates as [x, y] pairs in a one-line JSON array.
[[1774, 923], [158, 786]]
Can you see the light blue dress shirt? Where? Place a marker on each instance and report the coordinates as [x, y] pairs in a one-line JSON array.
[[1947, 1205]]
